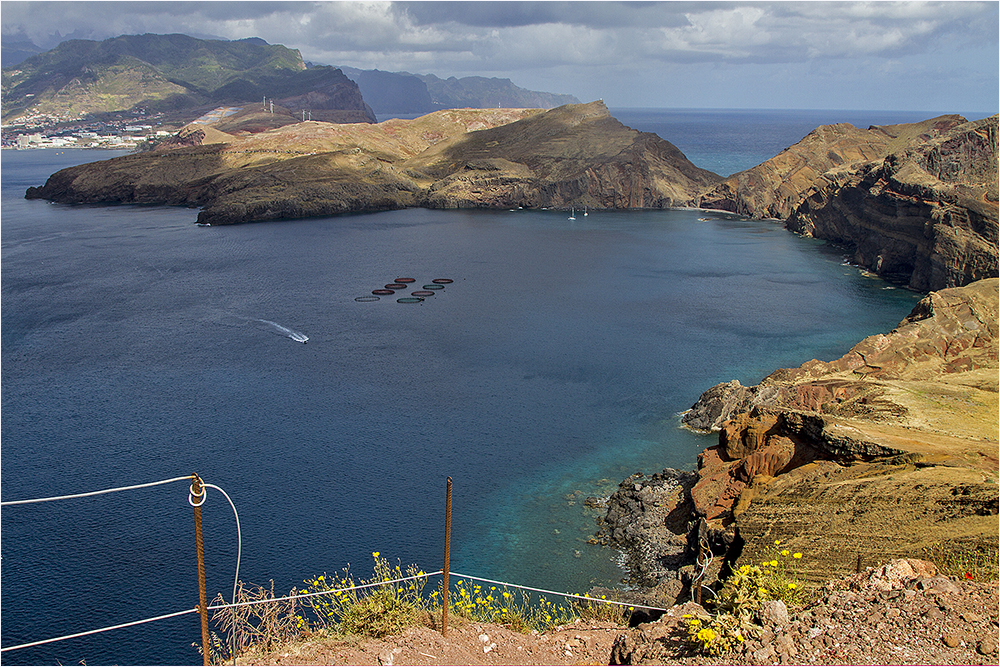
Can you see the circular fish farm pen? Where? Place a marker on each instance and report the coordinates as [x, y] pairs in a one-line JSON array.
[[402, 284]]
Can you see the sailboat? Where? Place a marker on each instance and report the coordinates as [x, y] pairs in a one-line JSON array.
[[572, 216], [585, 214]]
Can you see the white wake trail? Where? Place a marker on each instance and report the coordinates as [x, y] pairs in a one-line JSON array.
[[285, 331]]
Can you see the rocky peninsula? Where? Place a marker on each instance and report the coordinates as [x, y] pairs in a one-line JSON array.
[[574, 155], [915, 203], [890, 451]]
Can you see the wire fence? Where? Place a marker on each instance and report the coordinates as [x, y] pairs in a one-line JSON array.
[[198, 499]]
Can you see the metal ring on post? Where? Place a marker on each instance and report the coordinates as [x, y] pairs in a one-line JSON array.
[[192, 496]]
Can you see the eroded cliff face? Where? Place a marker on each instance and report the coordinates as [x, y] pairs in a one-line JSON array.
[[775, 188], [915, 203], [577, 155], [925, 216], [889, 450]]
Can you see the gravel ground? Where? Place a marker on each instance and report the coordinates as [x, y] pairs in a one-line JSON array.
[[901, 613]]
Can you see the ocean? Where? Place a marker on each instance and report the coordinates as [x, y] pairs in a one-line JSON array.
[[138, 347]]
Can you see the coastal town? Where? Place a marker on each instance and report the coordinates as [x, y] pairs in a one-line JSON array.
[[36, 129]]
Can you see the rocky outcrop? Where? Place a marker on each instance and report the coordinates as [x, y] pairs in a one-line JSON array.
[[925, 216], [775, 188], [902, 612], [891, 450], [915, 203], [576, 155]]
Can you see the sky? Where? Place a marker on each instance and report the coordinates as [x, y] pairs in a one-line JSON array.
[[920, 56]]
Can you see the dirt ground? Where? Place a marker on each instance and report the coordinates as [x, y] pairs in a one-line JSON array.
[[875, 618]]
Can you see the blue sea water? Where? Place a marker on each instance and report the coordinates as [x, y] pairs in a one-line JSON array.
[[730, 140], [137, 346]]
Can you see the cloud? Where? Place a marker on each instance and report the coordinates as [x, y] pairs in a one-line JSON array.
[[580, 45]]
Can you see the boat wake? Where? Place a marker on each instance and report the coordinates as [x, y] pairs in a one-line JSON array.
[[297, 336]]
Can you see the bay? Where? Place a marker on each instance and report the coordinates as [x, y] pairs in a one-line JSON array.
[[137, 346]]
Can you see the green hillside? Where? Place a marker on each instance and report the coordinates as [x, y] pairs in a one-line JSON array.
[[163, 73]]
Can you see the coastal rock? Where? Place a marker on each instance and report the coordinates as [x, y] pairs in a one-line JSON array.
[[891, 449], [849, 621], [915, 203], [924, 216], [775, 188], [575, 155], [773, 613], [901, 458]]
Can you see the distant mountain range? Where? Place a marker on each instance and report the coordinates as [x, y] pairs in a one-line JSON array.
[[176, 74], [405, 93]]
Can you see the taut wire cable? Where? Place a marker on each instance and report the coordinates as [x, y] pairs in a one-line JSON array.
[[327, 592], [95, 493], [94, 632], [565, 595]]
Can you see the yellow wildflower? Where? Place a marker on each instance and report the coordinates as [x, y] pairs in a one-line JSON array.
[[793, 586], [706, 635], [777, 543], [784, 552], [774, 563], [796, 555]]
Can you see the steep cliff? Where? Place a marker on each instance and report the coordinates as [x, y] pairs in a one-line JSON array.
[[576, 155], [889, 450], [925, 216], [915, 203], [775, 188]]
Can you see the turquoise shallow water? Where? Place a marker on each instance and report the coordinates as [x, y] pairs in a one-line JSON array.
[[137, 346]]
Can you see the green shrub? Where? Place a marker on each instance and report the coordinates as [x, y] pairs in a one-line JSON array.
[[740, 599], [379, 609]]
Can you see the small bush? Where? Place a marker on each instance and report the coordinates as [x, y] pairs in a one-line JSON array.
[[260, 626], [603, 611], [378, 610], [514, 609], [379, 614], [740, 599]]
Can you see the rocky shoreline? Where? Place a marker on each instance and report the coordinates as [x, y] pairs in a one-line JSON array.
[[888, 452]]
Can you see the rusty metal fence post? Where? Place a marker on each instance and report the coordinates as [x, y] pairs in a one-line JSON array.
[[447, 560], [196, 499]]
